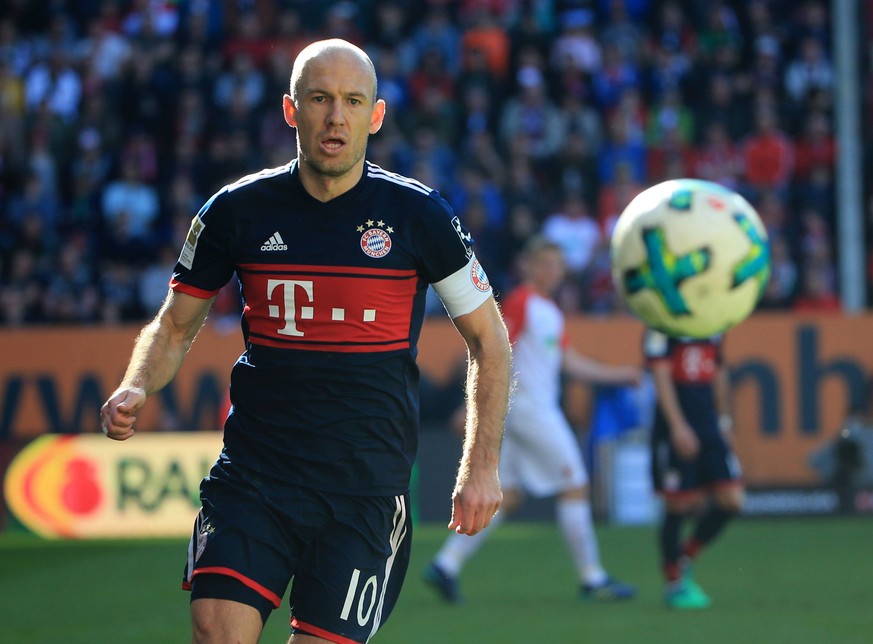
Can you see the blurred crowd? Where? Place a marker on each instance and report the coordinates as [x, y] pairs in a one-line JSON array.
[[119, 118]]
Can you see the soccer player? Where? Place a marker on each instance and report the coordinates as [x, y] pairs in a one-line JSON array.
[[334, 256], [694, 467], [541, 454]]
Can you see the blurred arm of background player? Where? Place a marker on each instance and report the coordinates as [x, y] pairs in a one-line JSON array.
[[684, 439], [593, 371], [722, 386], [477, 494]]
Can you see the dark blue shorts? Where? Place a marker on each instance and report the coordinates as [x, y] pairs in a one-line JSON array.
[[714, 465], [347, 554]]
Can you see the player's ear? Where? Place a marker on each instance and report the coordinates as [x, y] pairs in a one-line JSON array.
[[377, 117], [290, 110]]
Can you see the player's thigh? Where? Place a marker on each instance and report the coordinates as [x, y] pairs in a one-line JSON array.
[[673, 475], [725, 475], [239, 550], [223, 620], [348, 582], [303, 638], [546, 453]]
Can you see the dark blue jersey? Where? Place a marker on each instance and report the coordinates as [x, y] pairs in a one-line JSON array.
[[693, 367], [326, 392]]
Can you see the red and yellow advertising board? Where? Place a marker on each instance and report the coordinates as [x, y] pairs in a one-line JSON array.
[[794, 379], [81, 486]]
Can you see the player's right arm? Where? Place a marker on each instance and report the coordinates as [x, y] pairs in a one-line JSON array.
[[682, 436], [157, 355]]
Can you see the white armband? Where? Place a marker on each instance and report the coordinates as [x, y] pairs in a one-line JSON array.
[[464, 290]]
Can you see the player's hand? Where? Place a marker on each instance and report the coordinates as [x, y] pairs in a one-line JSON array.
[[476, 499], [118, 414], [685, 441]]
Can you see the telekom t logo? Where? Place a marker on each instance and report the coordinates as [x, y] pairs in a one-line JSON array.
[[303, 310]]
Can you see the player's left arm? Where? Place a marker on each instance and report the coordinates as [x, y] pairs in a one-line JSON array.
[[722, 387], [581, 367], [477, 495]]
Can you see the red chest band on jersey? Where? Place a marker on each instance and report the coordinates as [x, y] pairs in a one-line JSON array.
[[318, 308]]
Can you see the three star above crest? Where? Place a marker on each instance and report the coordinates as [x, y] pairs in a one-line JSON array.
[[369, 224]]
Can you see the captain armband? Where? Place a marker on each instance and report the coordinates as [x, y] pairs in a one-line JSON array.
[[464, 290]]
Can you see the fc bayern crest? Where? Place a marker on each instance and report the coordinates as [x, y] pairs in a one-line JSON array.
[[480, 279], [376, 242]]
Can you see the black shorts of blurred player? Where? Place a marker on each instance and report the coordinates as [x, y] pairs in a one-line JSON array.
[[347, 555], [716, 466]]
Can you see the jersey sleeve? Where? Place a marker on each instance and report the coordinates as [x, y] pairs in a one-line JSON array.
[[205, 263], [449, 262], [656, 346]]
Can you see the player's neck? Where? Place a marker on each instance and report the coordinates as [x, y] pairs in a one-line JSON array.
[[324, 187]]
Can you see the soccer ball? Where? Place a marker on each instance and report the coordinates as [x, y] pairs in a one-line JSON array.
[[690, 257]]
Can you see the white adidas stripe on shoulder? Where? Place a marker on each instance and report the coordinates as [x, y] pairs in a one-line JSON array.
[[376, 172], [262, 174]]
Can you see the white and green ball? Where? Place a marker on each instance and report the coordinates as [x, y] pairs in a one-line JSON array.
[[690, 258]]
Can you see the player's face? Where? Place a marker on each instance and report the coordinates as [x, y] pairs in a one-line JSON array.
[[335, 113], [547, 270]]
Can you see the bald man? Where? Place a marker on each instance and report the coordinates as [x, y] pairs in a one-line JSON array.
[[334, 256]]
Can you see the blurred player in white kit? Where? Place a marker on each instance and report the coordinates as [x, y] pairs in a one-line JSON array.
[[541, 454]]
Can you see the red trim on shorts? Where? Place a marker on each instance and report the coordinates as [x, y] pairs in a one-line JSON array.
[[309, 629], [681, 494], [266, 593], [727, 483]]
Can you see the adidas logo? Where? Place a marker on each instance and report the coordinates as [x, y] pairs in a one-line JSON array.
[[275, 242]]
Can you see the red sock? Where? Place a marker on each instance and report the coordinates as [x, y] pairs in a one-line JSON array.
[[672, 571], [692, 548]]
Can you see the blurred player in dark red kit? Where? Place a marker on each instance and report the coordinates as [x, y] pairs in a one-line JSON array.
[[694, 467], [334, 256]]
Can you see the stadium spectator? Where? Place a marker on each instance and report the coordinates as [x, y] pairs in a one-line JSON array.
[[717, 158], [130, 206], [768, 154], [817, 294], [577, 47], [783, 282], [614, 197], [611, 80], [484, 37], [811, 70], [573, 227], [56, 84], [530, 122]]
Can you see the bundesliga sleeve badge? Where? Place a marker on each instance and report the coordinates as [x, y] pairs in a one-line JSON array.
[[186, 259]]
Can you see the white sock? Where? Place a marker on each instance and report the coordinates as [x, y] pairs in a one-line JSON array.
[[577, 526], [457, 548]]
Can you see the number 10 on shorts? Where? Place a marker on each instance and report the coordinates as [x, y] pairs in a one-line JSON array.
[[366, 599]]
